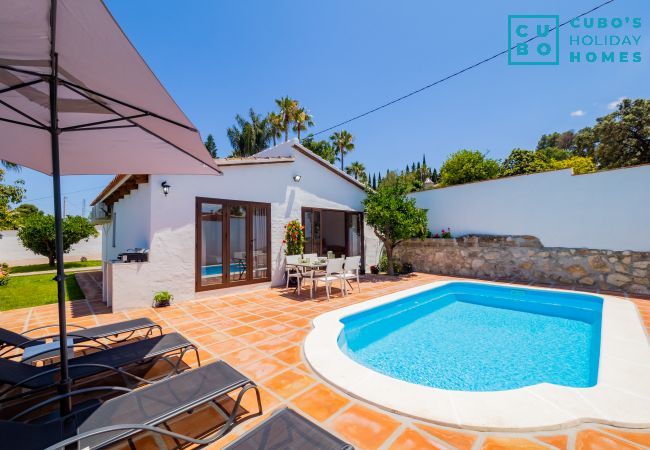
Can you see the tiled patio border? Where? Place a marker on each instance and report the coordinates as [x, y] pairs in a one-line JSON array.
[[261, 332]]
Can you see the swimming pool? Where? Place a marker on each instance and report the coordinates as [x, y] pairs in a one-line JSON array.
[[489, 356], [215, 270], [474, 337]]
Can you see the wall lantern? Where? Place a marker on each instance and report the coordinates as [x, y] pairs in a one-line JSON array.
[[296, 178], [165, 188]]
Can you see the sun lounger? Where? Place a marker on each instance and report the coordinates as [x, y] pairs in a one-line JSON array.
[[10, 340], [288, 430], [145, 409], [21, 376]]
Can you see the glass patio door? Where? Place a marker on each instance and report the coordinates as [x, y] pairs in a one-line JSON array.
[[233, 243], [333, 230], [238, 241], [210, 252]]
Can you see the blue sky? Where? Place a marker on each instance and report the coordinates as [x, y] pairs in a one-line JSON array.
[[340, 58]]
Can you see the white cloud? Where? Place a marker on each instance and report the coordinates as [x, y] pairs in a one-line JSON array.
[[578, 113], [614, 104]]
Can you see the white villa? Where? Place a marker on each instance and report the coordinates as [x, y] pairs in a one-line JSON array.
[[210, 232]]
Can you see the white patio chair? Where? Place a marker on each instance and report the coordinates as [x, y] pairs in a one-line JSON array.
[[351, 269], [333, 272], [292, 270]]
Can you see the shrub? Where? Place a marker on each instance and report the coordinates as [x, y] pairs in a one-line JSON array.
[[4, 274], [294, 238], [579, 164], [466, 166], [162, 298], [443, 234], [407, 268], [383, 265]]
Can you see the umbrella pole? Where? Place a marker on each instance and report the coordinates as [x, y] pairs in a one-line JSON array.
[[65, 384]]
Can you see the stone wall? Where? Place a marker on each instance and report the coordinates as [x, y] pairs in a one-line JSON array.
[[525, 259]]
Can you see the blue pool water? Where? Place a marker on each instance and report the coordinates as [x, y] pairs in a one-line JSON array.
[[207, 271], [478, 337]]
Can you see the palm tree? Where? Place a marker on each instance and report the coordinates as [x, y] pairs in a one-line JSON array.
[[357, 170], [248, 137], [288, 109], [302, 120], [343, 141], [10, 166], [275, 122]]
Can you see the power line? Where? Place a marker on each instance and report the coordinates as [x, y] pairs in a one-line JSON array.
[[65, 193], [441, 80]]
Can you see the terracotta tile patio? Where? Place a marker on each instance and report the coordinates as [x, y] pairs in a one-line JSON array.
[[261, 332]]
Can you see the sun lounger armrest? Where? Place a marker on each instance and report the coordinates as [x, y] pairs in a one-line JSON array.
[[57, 398], [132, 426], [50, 326]]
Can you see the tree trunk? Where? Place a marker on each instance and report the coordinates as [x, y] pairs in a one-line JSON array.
[[274, 144], [389, 257], [50, 261], [341, 152]]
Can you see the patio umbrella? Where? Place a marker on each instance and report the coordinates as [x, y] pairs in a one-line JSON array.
[[77, 98]]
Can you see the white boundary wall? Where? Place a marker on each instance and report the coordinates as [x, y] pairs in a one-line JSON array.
[[13, 253], [604, 210]]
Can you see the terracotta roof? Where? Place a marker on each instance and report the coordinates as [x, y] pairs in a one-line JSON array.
[[251, 160], [115, 182], [331, 167]]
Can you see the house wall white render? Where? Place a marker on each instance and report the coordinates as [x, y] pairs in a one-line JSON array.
[[171, 223]]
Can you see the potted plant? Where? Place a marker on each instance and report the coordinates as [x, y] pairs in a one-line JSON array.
[[162, 299], [294, 238], [294, 241]]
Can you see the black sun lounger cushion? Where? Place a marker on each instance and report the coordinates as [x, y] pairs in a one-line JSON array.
[[8, 337], [113, 329], [288, 430], [13, 339], [12, 372], [155, 404], [151, 405]]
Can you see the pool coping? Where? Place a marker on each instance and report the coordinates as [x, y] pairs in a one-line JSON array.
[[621, 396]]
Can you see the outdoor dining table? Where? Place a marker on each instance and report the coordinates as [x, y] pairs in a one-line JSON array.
[[311, 267]]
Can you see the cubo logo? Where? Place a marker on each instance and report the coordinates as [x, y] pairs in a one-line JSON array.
[[533, 40]]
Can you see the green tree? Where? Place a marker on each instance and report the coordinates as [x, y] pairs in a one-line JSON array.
[[343, 142], [301, 121], [357, 170], [466, 166], [275, 123], [393, 216], [248, 137], [549, 154], [558, 140], [374, 181], [22, 212], [38, 234], [211, 146], [622, 138], [288, 108], [521, 162], [10, 166], [9, 194], [322, 148]]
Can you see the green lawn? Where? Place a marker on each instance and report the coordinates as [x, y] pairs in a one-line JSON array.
[[35, 290], [43, 267]]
